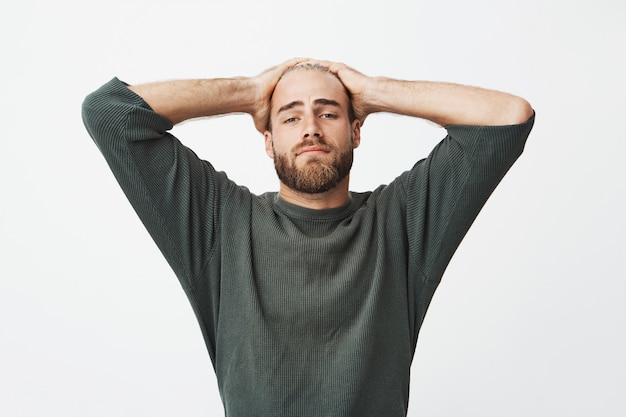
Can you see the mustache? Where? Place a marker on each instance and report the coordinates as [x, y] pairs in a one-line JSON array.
[[307, 143]]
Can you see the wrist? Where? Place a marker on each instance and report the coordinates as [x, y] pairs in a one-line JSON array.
[[382, 95], [235, 95]]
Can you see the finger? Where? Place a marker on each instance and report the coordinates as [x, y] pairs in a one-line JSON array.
[[323, 63], [284, 66], [294, 62], [333, 67]]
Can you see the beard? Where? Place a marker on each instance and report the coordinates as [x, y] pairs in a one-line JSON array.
[[318, 174]]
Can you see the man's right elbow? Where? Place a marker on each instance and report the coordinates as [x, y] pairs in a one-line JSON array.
[[519, 111]]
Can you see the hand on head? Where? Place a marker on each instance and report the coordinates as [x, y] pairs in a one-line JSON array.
[[266, 82], [355, 82]]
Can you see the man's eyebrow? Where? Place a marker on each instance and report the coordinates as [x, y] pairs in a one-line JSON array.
[[319, 101], [290, 106], [326, 102]]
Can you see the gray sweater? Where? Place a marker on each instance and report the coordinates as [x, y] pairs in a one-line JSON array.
[[304, 312]]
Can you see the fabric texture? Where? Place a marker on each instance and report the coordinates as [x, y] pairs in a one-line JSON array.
[[304, 312]]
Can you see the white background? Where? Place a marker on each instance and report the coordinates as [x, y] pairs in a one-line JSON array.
[[529, 319]]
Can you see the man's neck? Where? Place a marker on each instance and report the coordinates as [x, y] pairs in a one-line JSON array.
[[335, 197]]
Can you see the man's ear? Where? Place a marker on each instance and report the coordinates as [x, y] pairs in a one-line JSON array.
[[269, 149], [356, 133]]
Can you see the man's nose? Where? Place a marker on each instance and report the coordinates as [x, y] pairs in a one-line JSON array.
[[311, 127]]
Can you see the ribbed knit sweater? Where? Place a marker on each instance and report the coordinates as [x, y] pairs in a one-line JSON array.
[[304, 312]]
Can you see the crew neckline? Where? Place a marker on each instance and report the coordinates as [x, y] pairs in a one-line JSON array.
[[313, 214]]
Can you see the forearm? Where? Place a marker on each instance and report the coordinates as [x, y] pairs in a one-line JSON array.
[[181, 100], [446, 103]]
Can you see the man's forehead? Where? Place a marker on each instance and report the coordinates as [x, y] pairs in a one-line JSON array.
[[302, 84]]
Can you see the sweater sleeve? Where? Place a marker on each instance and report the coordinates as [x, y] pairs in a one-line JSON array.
[[176, 195], [447, 190]]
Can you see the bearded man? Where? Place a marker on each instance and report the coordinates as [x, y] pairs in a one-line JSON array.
[[310, 299]]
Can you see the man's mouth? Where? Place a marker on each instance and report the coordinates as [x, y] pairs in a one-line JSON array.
[[313, 150]]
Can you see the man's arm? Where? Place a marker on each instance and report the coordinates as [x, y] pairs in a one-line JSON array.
[[442, 103], [181, 100], [448, 104], [445, 192], [175, 194]]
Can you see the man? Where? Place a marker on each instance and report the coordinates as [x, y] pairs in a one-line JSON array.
[[310, 299]]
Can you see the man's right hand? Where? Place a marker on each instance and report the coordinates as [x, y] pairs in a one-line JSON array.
[[266, 82]]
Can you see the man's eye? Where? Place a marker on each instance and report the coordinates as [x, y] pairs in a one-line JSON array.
[[329, 116], [290, 120]]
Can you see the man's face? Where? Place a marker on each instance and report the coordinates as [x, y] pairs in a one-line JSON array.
[[312, 137]]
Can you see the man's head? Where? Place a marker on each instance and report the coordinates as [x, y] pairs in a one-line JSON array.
[[307, 66], [312, 131]]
